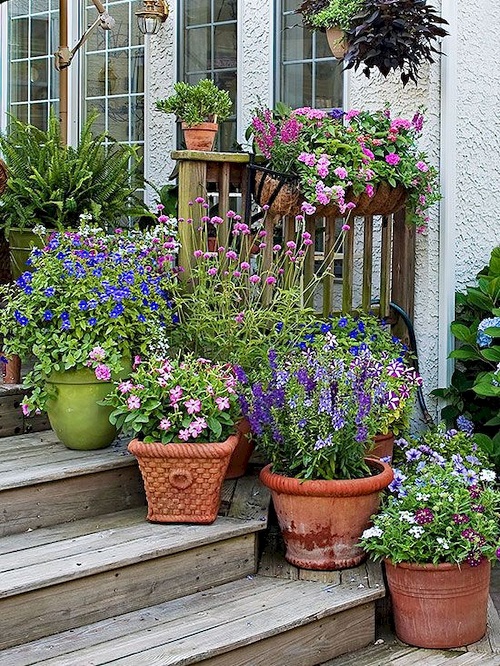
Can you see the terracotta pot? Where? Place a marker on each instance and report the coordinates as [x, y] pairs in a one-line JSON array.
[[441, 606], [242, 453], [285, 198], [337, 42], [183, 481], [200, 137], [384, 446], [322, 521]]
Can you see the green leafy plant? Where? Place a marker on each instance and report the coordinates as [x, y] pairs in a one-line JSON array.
[[322, 14], [443, 506], [87, 290], [474, 389], [198, 103], [185, 399], [53, 184], [394, 35]]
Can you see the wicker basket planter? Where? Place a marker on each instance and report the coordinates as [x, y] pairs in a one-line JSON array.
[[183, 481], [283, 196]]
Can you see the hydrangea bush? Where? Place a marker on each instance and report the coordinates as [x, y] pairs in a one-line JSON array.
[[443, 507], [333, 153], [184, 399], [92, 299]]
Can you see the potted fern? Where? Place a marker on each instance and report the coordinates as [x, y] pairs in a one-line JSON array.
[[200, 108], [52, 184]]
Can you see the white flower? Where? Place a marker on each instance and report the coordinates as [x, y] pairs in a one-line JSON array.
[[372, 532], [443, 543], [416, 531], [487, 475], [407, 516], [422, 497]]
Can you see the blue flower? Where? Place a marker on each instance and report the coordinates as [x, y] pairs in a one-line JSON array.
[[92, 321], [50, 291], [342, 322], [336, 114], [141, 318], [279, 327], [48, 315], [117, 311], [175, 318], [326, 328], [83, 305], [20, 318], [465, 425], [483, 339]]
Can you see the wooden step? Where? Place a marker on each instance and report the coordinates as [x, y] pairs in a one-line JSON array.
[[61, 577], [255, 621], [43, 483]]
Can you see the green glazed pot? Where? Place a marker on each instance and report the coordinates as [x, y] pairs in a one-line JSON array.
[[76, 418], [21, 242]]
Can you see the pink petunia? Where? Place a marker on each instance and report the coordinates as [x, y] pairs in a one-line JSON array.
[[193, 406], [133, 402], [222, 403], [393, 159], [165, 424], [102, 372]]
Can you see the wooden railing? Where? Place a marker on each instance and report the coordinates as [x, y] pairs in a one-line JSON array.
[[377, 254]]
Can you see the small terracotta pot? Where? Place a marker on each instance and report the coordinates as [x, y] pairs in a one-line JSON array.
[[322, 521], [242, 453], [337, 42], [183, 481], [442, 606], [384, 446], [200, 137]]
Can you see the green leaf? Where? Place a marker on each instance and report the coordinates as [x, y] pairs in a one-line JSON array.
[[491, 354], [461, 332], [214, 426], [486, 389], [465, 354]]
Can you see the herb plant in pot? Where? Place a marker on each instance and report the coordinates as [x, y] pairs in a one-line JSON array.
[[183, 412], [200, 107], [311, 414], [85, 309], [51, 184], [438, 533], [332, 16]]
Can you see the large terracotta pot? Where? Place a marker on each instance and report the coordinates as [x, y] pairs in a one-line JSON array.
[[200, 137], [183, 481], [322, 521], [441, 606], [242, 453], [73, 410]]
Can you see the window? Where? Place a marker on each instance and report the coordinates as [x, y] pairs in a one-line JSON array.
[[208, 49], [32, 39], [308, 75]]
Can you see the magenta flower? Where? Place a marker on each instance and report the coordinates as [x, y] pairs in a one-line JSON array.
[[184, 435], [340, 172], [231, 254], [25, 409], [133, 402], [222, 403], [97, 354], [165, 424], [393, 159], [212, 271], [125, 387], [102, 372], [254, 279], [193, 406], [244, 265], [175, 395], [200, 200], [137, 361], [370, 190], [239, 317], [270, 280], [197, 254], [422, 166]]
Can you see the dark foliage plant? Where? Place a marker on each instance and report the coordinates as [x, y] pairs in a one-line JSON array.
[[392, 35]]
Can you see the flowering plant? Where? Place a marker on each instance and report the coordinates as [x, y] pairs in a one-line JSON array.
[[170, 400], [242, 296], [92, 299], [443, 506], [336, 156], [318, 410]]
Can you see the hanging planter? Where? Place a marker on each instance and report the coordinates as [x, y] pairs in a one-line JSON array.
[[336, 42]]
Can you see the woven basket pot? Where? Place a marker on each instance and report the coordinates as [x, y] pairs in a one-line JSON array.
[[3, 177], [439, 606], [322, 521], [183, 481], [286, 199]]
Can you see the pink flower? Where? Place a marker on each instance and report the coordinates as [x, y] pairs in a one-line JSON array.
[[276, 248], [162, 219], [239, 317], [200, 200], [393, 159], [222, 403], [308, 208], [175, 395], [212, 271], [125, 387], [244, 265], [422, 166], [165, 424], [291, 245], [102, 372], [216, 220], [351, 114], [25, 409], [236, 274], [133, 402], [197, 254], [97, 354], [340, 172], [184, 435], [368, 153], [231, 254], [346, 227], [309, 159], [137, 361], [254, 279], [193, 406], [271, 280], [370, 190]]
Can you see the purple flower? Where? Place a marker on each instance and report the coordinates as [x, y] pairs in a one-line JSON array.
[[423, 516], [393, 159], [103, 372], [336, 114]]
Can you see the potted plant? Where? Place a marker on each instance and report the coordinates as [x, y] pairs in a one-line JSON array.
[[438, 533], [90, 303], [333, 17], [337, 163], [394, 35], [183, 413], [200, 107], [313, 413], [51, 184]]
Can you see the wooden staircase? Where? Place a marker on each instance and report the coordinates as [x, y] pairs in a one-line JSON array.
[[85, 579]]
